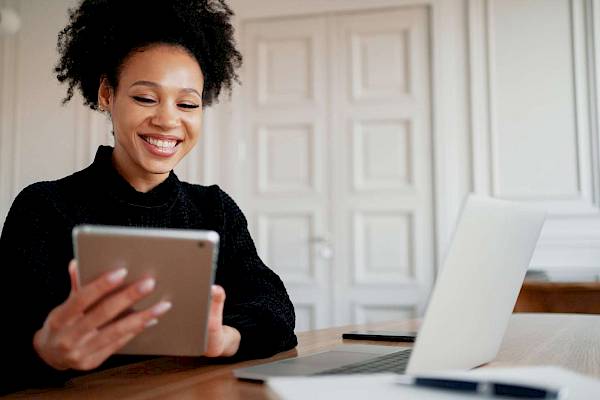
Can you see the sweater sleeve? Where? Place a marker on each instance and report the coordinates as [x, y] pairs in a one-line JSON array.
[[256, 303], [32, 284]]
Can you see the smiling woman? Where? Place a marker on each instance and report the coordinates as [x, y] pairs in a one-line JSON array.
[[151, 66], [156, 112]]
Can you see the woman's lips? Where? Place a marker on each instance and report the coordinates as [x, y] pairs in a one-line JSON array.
[[160, 146]]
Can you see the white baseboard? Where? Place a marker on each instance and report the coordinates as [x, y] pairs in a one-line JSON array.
[[569, 247]]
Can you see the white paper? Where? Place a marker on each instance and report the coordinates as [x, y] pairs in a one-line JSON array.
[[385, 386]]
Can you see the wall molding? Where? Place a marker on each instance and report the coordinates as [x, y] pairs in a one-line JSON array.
[[5, 139], [571, 236], [576, 255], [592, 12], [483, 118], [285, 8], [361, 273], [17, 112], [9, 111], [263, 243], [583, 81], [479, 120], [91, 129], [311, 312], [209, 148], [360, 311]]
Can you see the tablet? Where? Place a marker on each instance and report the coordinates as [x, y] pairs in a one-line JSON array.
[[183, 262]]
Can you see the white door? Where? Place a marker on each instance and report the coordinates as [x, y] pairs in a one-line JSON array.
[[382, 165], [338, 166], [286, 185]]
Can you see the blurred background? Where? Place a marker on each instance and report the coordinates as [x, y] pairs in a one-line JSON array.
[[357, 131]]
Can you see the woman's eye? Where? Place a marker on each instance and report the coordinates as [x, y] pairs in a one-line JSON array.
[[143, 99], [184, 105]]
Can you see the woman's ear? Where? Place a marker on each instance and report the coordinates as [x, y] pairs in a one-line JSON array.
[[104, 95]]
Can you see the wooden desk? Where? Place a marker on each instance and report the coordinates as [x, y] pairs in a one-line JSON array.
[[572, 341], [559, 297]]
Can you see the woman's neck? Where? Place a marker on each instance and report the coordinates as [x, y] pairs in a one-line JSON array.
[[141, 180]]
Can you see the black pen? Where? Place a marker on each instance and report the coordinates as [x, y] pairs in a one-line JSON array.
[[488, 388]]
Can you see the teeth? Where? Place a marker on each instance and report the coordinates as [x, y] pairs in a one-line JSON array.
[[168, 144]]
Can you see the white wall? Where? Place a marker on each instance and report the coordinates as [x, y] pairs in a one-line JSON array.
[[515, 111], [534, 117], [37, 136]]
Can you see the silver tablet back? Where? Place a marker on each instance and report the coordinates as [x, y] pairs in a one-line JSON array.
[[183, 262]]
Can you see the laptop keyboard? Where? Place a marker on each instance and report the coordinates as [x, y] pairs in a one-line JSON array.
[[394, 362]]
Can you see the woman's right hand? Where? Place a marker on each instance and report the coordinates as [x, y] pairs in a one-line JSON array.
[[85, 330]]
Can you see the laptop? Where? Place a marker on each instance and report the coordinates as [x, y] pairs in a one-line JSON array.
[[469, 308]]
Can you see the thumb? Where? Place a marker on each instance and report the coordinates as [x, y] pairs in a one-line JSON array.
[[216, 306], [74, 275]]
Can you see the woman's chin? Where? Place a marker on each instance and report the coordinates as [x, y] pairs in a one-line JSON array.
[[156, 167]]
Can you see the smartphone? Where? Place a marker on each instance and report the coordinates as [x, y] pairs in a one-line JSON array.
[[389, 336]]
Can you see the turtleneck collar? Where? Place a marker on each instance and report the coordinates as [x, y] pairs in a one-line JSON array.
[[117, 187]]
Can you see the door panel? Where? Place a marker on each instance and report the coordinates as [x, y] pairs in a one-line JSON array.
[[285, 196], [338, 180], [382, 163]]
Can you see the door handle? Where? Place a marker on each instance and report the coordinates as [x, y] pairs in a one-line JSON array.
[[322, 246]]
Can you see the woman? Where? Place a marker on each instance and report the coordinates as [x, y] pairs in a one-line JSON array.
[[151, 66]]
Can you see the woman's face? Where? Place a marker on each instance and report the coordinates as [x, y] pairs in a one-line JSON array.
[[156, 113]]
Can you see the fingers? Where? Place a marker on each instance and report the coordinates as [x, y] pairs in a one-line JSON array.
[[74, 275], [97, 358], [79, 333], [112, 306], [86, 296], [100, 344], [216, 334], [217, 293], [215, 320], [133, 324], [82, 361]]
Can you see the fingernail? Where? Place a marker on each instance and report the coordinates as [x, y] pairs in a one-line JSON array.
[[146, 285], [117, 276], [161, 307], [152, 322]]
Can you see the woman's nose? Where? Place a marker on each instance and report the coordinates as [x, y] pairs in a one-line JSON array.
[[165, 117]]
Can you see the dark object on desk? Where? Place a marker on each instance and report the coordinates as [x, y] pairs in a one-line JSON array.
[[493, 389], [388, 336]]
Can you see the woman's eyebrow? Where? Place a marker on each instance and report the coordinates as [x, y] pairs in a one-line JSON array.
[[156, 85]]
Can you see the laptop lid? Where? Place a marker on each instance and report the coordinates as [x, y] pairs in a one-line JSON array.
[[471, 303], [477, 288]]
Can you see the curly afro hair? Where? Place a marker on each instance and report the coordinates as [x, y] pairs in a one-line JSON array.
[[101, 34]]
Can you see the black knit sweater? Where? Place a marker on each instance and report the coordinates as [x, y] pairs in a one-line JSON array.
[[36, 247]]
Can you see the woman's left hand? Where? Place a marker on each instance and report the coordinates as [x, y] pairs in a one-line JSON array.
[[223, 340]]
